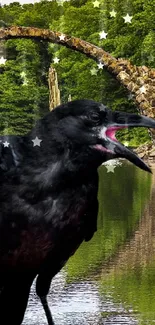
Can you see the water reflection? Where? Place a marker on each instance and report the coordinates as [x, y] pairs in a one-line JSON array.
[[130, 277], [111, 279], [77, 303]]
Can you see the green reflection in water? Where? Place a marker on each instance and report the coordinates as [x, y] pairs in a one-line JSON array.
[[122, 196], [130, 279], [135, 289]]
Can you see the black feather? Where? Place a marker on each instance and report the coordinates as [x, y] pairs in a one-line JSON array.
[[48, 197]]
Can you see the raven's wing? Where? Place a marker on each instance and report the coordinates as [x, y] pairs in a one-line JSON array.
[[11, 152]]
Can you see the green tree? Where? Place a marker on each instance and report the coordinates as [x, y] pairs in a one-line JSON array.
[[78, 75]]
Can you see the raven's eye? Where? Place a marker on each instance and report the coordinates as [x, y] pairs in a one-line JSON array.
[[91, 119], [95, 118]]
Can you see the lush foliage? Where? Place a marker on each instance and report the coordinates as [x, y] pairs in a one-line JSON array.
[[24, 77]]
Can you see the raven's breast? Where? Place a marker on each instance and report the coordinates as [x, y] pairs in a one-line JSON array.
[[35, 243], [30, 252], [57, 228]]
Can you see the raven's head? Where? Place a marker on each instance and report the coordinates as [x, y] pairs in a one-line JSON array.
[[91, 126]]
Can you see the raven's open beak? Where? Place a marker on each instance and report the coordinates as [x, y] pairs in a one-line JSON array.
[[120, 120]]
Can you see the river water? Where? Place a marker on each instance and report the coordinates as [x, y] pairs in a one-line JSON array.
[[111, 279]]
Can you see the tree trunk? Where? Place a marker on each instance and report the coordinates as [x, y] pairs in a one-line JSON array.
[[54, 92]]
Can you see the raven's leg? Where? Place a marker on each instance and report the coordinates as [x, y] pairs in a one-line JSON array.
[[48, 271], [42, 288], [13, 299]]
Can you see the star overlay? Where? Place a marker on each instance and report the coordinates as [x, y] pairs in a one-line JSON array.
[[36, 142]]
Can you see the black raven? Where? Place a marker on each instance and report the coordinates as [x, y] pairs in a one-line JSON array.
[[49, 185]]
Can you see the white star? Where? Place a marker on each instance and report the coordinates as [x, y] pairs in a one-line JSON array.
[[143, 90], [62, 37], [127, 18], [113, 13], [93, 72], [56, 60], [6, 144], [23, 74], [25, 82], [60, 2], [113, 162], [96, 4], [110, 168], [126, 143], [100, 65], [2, 60], [36, 142], [103, 35]]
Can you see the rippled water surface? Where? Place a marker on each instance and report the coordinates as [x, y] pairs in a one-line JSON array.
[[111, 279]]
